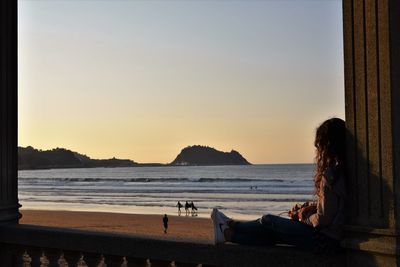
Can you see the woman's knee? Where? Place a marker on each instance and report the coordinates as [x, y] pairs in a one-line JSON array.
[[268, 220]]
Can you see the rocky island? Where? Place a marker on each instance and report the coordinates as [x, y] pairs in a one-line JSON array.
[[30, 158], [204, 155]]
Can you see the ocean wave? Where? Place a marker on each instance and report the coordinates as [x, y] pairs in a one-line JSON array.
[[213, 180], [149, 180], [113, 180], [169, 191]]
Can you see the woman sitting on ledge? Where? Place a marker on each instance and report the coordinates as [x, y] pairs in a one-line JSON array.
[[313, 226]]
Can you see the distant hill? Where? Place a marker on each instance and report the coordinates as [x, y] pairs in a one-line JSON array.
[[31, 158], [204, 155]]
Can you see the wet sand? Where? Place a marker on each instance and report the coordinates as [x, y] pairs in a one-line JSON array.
[[182, 228]]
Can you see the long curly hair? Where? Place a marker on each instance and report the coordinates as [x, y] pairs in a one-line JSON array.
[[330, 148]]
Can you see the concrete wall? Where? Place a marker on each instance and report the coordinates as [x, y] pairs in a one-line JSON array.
[[371, 48], [8, 113]]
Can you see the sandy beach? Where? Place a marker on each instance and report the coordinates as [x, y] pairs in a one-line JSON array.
[[180, 228]]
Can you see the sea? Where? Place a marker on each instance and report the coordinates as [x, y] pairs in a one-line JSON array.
[[242, 192]]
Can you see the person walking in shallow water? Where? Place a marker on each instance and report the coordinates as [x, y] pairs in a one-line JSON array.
[[179, 205], [165, 222]]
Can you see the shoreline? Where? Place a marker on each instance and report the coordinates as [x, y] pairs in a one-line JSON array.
[[134, 210], [180, 228]]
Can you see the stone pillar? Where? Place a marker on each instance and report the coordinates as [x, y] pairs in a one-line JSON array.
[[372, 90], [8, 113]]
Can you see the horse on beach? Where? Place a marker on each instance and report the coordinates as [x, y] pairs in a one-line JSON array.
[[194, 208], [187, 206]]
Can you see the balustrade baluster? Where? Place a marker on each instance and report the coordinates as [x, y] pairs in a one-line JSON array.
[[26, 259], [61, 261], [44, 261], [102, 262], [81, 262], [124, 262]]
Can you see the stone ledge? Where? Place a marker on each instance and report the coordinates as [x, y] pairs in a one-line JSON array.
[[372, 240], [123, 245]]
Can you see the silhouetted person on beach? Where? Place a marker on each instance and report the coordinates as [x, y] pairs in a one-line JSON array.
[[165, 222], [187, 206], [179, 205]]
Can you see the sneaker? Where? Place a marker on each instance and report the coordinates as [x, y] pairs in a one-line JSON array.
[[220, 222]]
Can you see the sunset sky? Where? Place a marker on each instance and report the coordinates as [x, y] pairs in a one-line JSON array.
[[144, 79]]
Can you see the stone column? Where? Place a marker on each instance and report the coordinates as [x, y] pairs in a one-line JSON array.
[[372, 90], [8, 113]]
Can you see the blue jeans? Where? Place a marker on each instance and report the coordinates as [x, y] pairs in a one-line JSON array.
[[271, 230]]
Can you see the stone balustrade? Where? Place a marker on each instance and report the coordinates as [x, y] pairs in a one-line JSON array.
[[45, 246]]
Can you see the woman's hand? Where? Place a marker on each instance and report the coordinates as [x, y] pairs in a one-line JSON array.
[[300, 212], [293, 213], [306, 212]]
